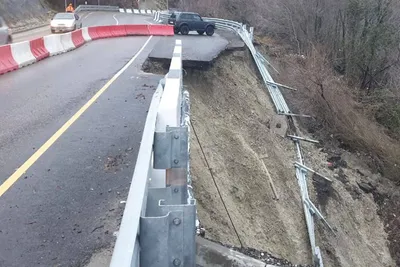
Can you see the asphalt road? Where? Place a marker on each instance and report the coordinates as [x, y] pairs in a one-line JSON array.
[[67, 205], [88, 19], [194, 47]]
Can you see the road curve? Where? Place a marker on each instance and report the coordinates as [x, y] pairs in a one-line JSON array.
[[88, 19], [67, 205]]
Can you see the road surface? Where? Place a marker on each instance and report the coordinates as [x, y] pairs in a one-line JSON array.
[[67, 205]]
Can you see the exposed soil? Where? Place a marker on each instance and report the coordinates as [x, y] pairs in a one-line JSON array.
[[389, 210], [359, 151], [236, 127]]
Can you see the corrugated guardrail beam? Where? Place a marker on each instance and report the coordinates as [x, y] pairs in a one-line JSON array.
[[96, 8], [159, 223], [114, 9]]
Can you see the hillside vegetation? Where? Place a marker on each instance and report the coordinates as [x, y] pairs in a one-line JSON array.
[[343, 57], [354, 41]]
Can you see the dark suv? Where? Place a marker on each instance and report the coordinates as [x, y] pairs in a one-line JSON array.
[[184, 22]]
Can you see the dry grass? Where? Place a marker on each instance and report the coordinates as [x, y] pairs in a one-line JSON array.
[[338, 116]]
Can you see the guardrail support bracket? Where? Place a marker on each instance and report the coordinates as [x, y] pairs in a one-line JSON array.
[[167, 232], [171, 148]]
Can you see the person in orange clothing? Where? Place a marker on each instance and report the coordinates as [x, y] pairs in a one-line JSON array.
[[70, 8]]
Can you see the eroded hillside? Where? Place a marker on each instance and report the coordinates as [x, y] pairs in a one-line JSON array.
[[236, 131]]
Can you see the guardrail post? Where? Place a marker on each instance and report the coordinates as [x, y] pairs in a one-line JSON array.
[[167, 233], [251, 33]]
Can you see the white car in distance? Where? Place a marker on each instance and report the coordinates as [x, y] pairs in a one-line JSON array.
[[65, 22]]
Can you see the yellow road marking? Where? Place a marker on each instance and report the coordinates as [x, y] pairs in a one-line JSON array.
[[21, 170]]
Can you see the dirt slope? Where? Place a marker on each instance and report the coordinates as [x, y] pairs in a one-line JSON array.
[[21, 14], [236, 126]]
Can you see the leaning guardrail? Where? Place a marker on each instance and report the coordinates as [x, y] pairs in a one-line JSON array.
[[282, 109], [158, 227]]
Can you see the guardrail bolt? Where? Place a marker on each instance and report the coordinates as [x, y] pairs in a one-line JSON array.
[[176, 190], [176, 136], [176, 161], [177, 262], [177, 221]]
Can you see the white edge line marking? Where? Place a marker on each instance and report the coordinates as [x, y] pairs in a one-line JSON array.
[[115, 19], [87, 15]]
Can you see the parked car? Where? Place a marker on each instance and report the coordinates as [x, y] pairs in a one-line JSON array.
[[65, 22], [185, 22], [5, 33]]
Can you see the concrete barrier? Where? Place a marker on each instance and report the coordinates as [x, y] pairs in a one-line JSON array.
[[100, 32], [53, 44], [163, 30], [77, 38], [39, 49], [66, 41], [137, 30], [22, 54], [7, 62], [93, 34], [86, 35], [118, 31]]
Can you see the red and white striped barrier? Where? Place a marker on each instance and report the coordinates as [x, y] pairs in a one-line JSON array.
[[85, 34], [53, 44], [66, 41], [22, 54], [38, 49], [18, 55], [77, 38], [7, 61]]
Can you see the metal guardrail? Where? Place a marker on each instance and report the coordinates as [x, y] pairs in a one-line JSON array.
[[96, 8], [282, 109], [146, 12], [158, 227]]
